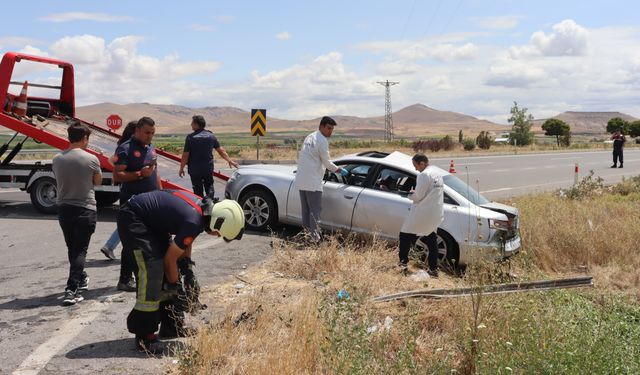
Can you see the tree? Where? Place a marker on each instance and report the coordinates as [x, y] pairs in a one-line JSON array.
[[618, 124], [634, 128], [557, 127], [521, 128], [484, 140], [460, 138]]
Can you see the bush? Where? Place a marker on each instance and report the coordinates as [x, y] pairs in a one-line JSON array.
[[469, 144], [585, 188], [432, 145], [447, 143], [484, 140]]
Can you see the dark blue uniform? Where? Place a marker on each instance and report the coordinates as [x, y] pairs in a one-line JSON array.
[[200, 145], [136, 156], [146, 223]]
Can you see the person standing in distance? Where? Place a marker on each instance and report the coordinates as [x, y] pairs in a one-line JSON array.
[[425, 214], [618, 144], [77, 172], [198, 156], [136, 169], [313, 160]]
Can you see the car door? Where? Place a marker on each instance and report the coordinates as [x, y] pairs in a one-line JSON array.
[[383, 206], [340, 194]]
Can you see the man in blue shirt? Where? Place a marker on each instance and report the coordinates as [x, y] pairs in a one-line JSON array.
[[198, 156], [135, 168], [146, 223]]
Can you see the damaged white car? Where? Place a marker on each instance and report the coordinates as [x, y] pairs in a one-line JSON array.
[[372, 198]]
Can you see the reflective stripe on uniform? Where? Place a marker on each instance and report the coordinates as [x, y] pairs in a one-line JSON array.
[[143, 279]]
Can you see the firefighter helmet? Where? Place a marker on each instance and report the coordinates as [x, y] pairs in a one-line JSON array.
[[227, 219]]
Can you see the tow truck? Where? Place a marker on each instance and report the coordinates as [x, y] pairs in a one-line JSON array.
[[46, 121]]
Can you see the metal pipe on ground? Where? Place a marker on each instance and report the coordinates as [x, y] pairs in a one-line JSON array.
[[575, 282]]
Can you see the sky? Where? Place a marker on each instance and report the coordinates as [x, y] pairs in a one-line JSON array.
[[305, 59]]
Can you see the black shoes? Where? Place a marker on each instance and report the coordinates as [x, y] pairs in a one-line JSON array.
[[620, 165], [71, 297], [84, 284], [150, 344], [433, 273], [614, 166], [127, 286], [171, 332]]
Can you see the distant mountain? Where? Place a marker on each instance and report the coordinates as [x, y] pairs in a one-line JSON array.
[[413, 121], [585, 122]]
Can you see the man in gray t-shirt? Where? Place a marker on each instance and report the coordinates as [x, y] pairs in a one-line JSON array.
[[77, 172]]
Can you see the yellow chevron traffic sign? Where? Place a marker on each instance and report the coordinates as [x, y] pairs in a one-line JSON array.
[[259, 122]]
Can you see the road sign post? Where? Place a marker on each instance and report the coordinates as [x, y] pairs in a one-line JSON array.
[[114, 122], [258, 127]]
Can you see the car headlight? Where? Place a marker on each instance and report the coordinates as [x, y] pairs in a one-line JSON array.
[[499, 224]]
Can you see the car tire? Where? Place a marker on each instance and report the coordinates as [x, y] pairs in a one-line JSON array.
[[44, 192], [448, 251], [260, 209]]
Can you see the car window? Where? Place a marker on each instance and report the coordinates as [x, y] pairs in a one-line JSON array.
[[465, 190], [356, 176], [394, 181]]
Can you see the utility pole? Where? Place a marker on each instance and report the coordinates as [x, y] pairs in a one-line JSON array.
[[388, 119]]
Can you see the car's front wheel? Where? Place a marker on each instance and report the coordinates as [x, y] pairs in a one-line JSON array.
[[260, 210], [448, 252]]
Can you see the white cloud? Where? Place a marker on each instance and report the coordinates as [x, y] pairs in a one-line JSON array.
[[285, 35], [516, 75], [567, 39], [202, 28], [83, 49], [83, 16], [499, 22]]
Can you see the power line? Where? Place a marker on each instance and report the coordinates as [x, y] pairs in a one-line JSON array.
[[388, 117]]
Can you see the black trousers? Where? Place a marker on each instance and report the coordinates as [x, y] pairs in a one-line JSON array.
[[148, 249], [409, 239], [618, 155], [202, 184], [128, 266], [78, 224]]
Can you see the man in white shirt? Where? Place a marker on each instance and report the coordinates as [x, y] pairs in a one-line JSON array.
[[313, 160], [425, 214]]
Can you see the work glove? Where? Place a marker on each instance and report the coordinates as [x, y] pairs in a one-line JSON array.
[[191, 286]]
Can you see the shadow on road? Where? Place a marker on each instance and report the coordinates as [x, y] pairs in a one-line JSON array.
[[54, 299], [25, 210], [121, 348]]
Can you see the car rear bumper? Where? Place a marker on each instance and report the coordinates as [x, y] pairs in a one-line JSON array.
[[481, 251]]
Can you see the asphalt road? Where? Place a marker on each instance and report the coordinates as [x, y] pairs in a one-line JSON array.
[[502, 176], [38, 335]]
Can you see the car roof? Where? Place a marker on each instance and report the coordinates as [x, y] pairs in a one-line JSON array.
[[395, 159]]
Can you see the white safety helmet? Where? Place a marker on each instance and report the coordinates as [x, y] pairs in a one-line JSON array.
[[227, 218]]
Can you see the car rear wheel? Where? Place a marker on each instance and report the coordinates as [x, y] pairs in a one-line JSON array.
[[448, 253], [260, 210]]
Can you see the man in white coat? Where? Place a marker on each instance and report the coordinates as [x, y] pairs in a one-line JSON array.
[[313, 160], [425, 214]]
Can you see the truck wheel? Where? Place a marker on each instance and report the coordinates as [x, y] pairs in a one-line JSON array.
[[43, 195], [106, 198], [260, 210]]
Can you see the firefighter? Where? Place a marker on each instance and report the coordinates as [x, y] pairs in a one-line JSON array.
[[146, 223]]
